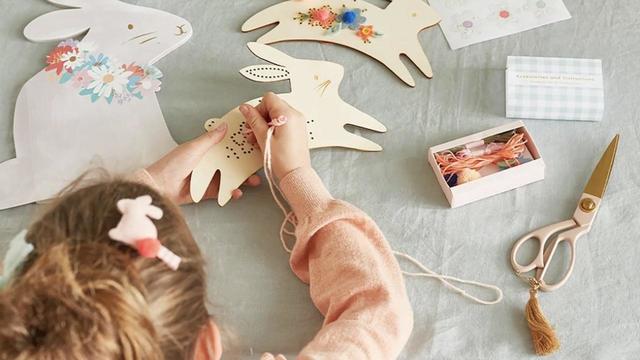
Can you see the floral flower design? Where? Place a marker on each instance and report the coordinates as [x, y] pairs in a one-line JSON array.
[[135, 70], [81, 79], [505, 13], [323, 17], [54, 59], [350, 18], [333, 22], [538, 7], [107, 81], [366, 32], [99, 77], [72, 59], [466, 23]]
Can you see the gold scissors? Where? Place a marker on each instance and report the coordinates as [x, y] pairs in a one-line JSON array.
[[569, 230]]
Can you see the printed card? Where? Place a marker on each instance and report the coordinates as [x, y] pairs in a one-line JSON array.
[[554, 88], [467, 22]]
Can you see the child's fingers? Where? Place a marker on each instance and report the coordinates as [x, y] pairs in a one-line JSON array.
[[262, 109], [236, 194], [276, 106], [253, 180], [204, 142], [256, 122], [268, 356]]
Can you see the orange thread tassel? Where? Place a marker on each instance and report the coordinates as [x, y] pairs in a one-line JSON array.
[[544, 338]]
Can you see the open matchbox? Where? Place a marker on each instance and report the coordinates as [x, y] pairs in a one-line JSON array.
[[494, 179]]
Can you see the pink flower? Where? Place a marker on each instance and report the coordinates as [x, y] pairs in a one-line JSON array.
[[81, 79], [323, 16]]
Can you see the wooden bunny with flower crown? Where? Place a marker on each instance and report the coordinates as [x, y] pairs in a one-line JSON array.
[[314, 92], [94, 104], [383, 34]]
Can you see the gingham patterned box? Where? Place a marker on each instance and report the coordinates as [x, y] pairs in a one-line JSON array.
[[554, 88]]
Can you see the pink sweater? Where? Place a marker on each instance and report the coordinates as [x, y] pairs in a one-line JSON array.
[[354, 279]]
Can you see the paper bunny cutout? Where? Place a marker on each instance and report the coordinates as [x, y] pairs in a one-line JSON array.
[[137, 230], [383, 34], [59, 134], [314, 92]]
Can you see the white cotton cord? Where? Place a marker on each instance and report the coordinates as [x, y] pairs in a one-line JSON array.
[[289, 217], [444, 279]]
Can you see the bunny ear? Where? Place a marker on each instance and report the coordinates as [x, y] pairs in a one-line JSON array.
[[270, 54], [145, 199], [154, 212], [57, 25], [122, 205], [265, 73]]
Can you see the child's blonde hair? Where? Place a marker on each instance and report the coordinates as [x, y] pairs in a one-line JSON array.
[[81, 295]]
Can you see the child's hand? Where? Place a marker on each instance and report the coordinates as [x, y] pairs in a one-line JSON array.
[[172, 173], [289, 146]]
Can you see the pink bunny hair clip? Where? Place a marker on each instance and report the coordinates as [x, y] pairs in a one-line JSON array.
[[138, 231]]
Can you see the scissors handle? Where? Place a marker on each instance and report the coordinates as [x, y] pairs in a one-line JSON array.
[[568, 231], [542, 235]]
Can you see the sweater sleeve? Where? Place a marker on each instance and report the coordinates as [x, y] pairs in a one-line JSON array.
[[355, 281]]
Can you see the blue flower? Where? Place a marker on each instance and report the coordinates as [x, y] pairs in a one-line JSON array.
[[349, 17], [99, 60], [352, 18]]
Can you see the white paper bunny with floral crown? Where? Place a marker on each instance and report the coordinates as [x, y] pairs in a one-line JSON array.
[[94, 104]]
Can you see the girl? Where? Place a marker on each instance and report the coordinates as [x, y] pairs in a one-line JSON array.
[[79, 294]]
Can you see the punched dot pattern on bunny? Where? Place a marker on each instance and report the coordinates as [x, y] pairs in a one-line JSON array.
[[269, 73], [238, 144], [310, 127]]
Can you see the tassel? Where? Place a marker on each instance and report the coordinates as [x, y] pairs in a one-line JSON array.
[[543, 336]]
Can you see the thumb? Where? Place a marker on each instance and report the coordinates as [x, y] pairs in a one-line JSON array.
[[204, 142], [256, 122]]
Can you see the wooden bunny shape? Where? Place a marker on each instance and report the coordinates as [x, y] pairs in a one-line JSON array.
[[383, 34], [58, 133], [314, 92]]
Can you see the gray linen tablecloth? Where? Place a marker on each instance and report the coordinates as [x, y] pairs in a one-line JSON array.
[[263, 306]]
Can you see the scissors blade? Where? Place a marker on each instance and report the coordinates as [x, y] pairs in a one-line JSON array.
[[600, 177]]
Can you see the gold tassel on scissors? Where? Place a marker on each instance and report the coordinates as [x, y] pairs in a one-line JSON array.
[[543, 336]]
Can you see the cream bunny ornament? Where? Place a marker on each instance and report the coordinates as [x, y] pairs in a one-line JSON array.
[[95, 102], [314, 92], [383, 34]]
